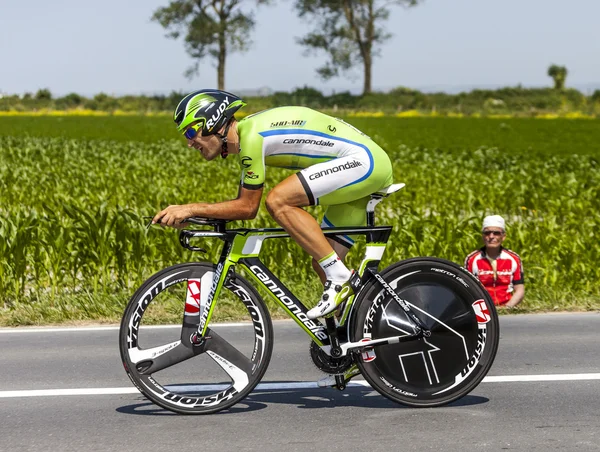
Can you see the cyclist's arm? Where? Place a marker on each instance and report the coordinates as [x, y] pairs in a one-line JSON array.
[[244, 207], [517, 296]]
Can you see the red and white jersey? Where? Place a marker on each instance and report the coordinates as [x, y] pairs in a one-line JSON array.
[[499, 282]]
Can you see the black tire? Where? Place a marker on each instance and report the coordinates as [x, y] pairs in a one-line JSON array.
[[439, 369], [220, 373]]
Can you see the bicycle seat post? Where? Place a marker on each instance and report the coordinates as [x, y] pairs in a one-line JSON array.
[[375, 199]]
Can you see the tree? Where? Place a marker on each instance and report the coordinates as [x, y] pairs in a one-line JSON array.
[[349, 31], [43, 94], [211, 27], [559, 75]]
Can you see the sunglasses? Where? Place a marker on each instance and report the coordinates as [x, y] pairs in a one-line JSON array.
[[494, 233], [193, 131]]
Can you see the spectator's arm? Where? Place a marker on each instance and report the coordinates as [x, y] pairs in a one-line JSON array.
[[517, 296]]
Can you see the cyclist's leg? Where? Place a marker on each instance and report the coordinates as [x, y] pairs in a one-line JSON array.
[[285, 203], [339, 181], [340, 250], [287, 198]]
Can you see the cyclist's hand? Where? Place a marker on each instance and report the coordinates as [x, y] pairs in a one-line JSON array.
[[173, 216]]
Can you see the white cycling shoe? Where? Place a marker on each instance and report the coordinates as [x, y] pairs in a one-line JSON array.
[[334, 294], [329, 380]]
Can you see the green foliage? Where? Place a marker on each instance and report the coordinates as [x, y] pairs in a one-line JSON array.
[[43, 95], [559, 75], [348, 31], [209, 27], [504, 101], [73, 193]]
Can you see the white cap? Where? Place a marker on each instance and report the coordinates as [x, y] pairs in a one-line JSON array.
[[495, 221]]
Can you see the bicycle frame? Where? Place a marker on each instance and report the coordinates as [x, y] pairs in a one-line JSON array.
[[242, 246]]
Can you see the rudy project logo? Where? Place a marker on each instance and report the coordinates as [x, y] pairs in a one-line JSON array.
[[335, 169], [217, 115], [308, 141]]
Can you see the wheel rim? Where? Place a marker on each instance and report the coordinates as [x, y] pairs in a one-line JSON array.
[[225, 367], [431, 366]]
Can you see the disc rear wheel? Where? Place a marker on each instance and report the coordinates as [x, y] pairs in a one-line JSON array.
[[464, 327]]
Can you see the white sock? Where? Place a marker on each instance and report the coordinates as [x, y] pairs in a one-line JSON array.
[[334, 268]]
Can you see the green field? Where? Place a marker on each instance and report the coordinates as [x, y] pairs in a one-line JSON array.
[[73, 190], [511, 135]]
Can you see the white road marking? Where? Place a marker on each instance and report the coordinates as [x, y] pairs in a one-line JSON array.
[[281, 386]]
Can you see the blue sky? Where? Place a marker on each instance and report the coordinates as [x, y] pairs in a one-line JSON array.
[[112, 46]]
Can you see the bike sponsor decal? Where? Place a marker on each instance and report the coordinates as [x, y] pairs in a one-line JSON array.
[[257, 321], [144, 301], [295, 122], [216, 116], [481, 337], [164, 350], [481, 311], [192, 300], [211, 400], [315, 328], [446, 272], [211, 296], [398, 390], [335, 169], [473, 361], [239, 377], [309, 141], [368, 355], [218, 398], [246, 161]]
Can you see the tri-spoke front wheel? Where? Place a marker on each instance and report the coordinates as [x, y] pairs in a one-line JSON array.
[[177, 375]]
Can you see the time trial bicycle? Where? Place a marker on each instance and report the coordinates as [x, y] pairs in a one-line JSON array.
[[422, 332]]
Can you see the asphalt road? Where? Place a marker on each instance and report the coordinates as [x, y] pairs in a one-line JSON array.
[[561, 411]]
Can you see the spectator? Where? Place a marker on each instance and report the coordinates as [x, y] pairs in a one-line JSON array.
[[500, 270]]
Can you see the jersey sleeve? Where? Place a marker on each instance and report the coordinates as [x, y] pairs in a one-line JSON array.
[[469, 261], [252, 163], [518, 276]]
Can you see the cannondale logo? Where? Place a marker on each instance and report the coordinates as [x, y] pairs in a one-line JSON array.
[[335, 169], [308, 141]]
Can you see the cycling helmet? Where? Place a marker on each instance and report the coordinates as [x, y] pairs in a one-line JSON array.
[[210, 107]]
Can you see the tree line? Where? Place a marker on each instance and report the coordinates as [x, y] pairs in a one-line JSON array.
[[509, 100], [349, 32]]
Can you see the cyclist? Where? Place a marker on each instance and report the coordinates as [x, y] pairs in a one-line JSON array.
[[338, 167]]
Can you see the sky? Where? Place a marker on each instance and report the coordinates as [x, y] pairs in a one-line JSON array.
[[112, 46]]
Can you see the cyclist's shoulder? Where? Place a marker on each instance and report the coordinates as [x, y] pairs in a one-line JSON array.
[[511, 254], [279, 117], [479, 252]]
